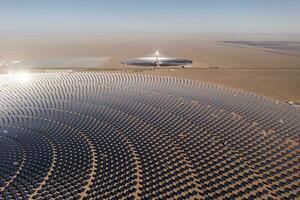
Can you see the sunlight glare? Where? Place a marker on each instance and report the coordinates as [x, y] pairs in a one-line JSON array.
[[21, 77]]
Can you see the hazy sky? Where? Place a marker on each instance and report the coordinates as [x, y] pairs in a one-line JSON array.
[[208, 16]]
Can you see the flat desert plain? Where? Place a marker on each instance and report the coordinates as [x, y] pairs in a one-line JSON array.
[[268, 68]]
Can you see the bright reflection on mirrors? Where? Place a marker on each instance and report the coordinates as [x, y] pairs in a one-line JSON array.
[[19, 76]]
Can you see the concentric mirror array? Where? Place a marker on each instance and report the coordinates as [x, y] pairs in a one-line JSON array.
[[157, 61], [154, 62], [102, 135]]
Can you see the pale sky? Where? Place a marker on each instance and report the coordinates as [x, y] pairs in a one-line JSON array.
[[204, 16]]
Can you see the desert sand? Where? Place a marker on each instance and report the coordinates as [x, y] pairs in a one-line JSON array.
[[274, 73]]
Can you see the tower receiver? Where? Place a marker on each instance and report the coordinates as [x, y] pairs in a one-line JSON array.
[[157, 58]]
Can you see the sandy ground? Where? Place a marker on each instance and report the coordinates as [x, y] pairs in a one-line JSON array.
[[267, 72], [279, 84]]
